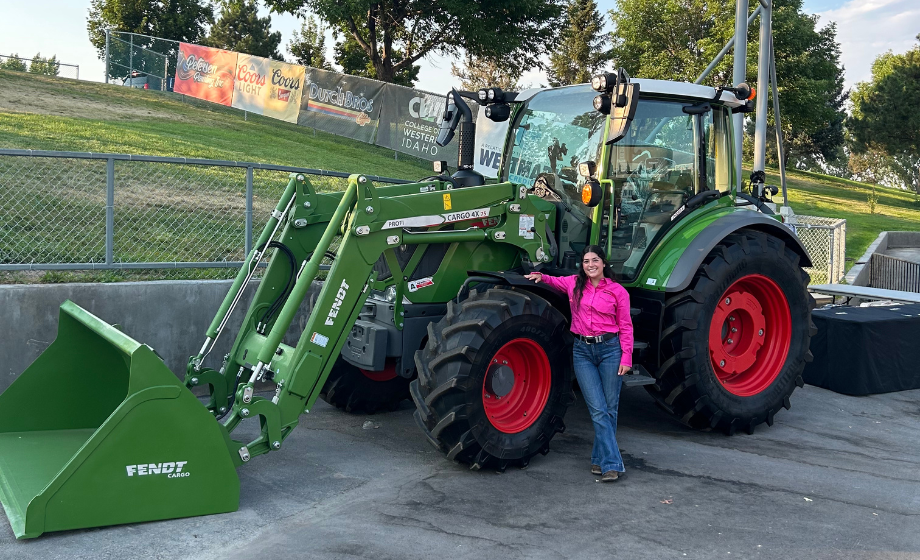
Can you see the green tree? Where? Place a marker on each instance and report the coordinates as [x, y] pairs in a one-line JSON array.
[[676, 40], [394, 35], [810, 88], [239, 28], [178, 20], [580, 53], [354, 60], [886, 115], [672, 39], [13, 63], [309, 45], [479, 73], [45, 66]]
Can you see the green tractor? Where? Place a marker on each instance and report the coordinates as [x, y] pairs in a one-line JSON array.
[[425, 299]]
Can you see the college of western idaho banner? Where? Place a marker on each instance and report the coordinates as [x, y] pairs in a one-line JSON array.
[[409, 123], [341, 104], [205, 73]]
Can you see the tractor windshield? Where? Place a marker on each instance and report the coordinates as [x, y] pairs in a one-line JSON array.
[[671, 152], [555, 131]]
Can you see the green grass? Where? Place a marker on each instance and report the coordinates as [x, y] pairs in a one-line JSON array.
[[136, 121], [162, 212], [814, 194]]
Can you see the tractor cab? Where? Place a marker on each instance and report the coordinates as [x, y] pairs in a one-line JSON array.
[[678, 146]]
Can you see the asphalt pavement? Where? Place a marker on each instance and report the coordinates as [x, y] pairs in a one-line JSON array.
[[835, 477]]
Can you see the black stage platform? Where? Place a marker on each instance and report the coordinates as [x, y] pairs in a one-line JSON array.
[[866, 350]]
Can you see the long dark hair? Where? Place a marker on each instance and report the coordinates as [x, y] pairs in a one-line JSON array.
[[582, 280]]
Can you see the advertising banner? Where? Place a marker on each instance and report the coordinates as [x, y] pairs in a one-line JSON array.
[[205, 73], [341, 104], [490, 139], [409, 123], [285, 87], [249, 86]]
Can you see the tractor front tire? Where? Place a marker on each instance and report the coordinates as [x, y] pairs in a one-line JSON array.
[[364, 392], [735, 342], [495, 379]]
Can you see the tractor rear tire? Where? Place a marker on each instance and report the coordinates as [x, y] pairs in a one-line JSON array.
[[495, 379], [364, 392], [735, 342]]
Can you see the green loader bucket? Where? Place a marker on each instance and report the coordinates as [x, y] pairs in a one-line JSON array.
[[98, 431]]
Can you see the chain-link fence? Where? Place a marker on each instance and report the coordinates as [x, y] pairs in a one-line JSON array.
[[139, 60], [825, 240], [65, 211], [47, 66]]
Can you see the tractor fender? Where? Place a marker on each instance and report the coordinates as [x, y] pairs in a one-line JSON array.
[[517, 281], [692, 258]]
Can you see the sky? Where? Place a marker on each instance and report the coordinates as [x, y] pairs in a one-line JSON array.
[[865, 29]]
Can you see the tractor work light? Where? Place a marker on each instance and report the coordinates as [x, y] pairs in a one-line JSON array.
[[602, 104], [499, 112], [587, 168], [599, 82], [490, 95]]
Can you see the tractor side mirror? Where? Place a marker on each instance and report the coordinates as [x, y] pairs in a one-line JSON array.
[[622, 116], [618, 98], [449, 120]]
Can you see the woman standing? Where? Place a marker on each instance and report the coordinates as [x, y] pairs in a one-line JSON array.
[[603, 349]]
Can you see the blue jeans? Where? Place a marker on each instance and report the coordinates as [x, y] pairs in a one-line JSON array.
[[596, 368]]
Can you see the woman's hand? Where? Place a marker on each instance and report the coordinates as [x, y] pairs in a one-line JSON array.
[[624, 369], [537, 277]]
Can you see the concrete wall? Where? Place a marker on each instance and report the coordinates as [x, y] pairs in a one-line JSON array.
[[859, 274], [169, 316]]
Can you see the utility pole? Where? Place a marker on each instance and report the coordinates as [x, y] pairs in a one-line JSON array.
[[739, 72], [763, 88]]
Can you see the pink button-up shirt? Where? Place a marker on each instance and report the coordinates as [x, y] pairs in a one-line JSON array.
[[601, 310]]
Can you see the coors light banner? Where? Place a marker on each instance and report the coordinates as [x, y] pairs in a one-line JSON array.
[[249, 83], [268, 87], [205, 73], [285, 87]]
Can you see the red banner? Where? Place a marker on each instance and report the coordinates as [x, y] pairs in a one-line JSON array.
[[205, 73]]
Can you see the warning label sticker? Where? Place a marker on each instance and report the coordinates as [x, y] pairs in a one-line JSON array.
[[525, 225], [417, 285], [319, 339]]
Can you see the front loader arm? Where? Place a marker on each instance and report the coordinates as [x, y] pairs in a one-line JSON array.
[[371, 221]]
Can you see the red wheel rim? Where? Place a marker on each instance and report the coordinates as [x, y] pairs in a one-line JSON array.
[[386, 374], [516, 386], [749, 335]]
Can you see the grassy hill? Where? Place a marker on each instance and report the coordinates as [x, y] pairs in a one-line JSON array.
[[39, 112]]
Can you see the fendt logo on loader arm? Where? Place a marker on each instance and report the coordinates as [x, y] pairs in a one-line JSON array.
[[172, 470], [339, 297]]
